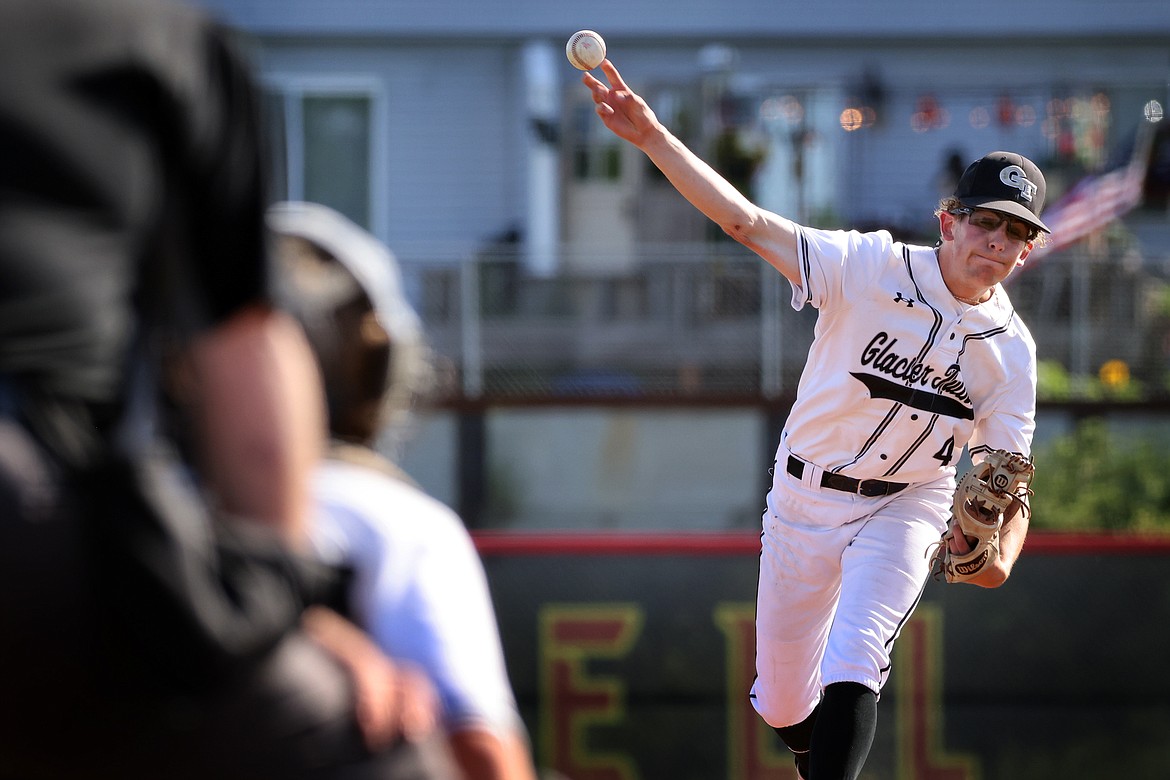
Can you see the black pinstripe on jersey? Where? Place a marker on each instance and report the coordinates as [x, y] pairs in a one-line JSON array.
[[806, 265], [987, 333]]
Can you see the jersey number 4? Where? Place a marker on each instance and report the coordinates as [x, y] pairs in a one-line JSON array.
[[947, 452]]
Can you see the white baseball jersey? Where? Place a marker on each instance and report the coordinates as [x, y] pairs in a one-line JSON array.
[[420, 588], [901, 374]]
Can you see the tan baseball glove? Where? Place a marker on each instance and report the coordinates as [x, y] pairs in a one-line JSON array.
[[982, 500]]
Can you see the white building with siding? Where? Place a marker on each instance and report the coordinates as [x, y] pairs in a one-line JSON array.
[[449, 123]]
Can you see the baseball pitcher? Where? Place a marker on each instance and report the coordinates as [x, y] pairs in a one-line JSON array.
[[917, 353]]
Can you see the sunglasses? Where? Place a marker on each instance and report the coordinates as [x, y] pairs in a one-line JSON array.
[[1017, 229]]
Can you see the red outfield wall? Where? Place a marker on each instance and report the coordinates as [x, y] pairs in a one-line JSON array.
[[632, 654]]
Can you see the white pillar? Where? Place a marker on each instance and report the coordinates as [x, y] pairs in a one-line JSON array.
[[541, 233]]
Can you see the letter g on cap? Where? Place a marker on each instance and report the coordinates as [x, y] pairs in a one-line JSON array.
[[1014, 176]]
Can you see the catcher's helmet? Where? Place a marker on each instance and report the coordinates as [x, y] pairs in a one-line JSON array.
[[345, 288]]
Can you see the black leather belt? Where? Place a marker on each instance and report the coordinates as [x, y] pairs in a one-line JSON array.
[[862, 487]]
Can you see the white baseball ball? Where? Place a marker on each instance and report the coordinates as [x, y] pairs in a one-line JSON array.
[[585, 49]]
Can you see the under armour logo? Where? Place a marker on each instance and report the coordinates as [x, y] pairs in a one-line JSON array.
[[1014, 176], [899, 298]]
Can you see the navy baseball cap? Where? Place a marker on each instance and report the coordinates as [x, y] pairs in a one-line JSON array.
[[1007, 182]]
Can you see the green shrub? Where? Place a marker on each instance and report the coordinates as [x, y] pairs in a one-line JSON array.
[[1089, 481], [1054, 383]]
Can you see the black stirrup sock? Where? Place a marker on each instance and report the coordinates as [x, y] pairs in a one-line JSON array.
[[844, 732], [798, 738]]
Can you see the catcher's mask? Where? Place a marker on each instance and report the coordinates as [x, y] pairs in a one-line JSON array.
[[343, 286]]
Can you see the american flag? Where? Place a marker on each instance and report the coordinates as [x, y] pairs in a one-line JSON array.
[[1095, 201]]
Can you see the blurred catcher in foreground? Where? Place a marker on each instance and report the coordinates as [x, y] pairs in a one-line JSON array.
[[419, 586]]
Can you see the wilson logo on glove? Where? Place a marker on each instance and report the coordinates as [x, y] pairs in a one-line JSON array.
[[982, 500]]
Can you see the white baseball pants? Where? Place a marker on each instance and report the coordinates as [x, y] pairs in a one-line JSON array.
[[840, 575]]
